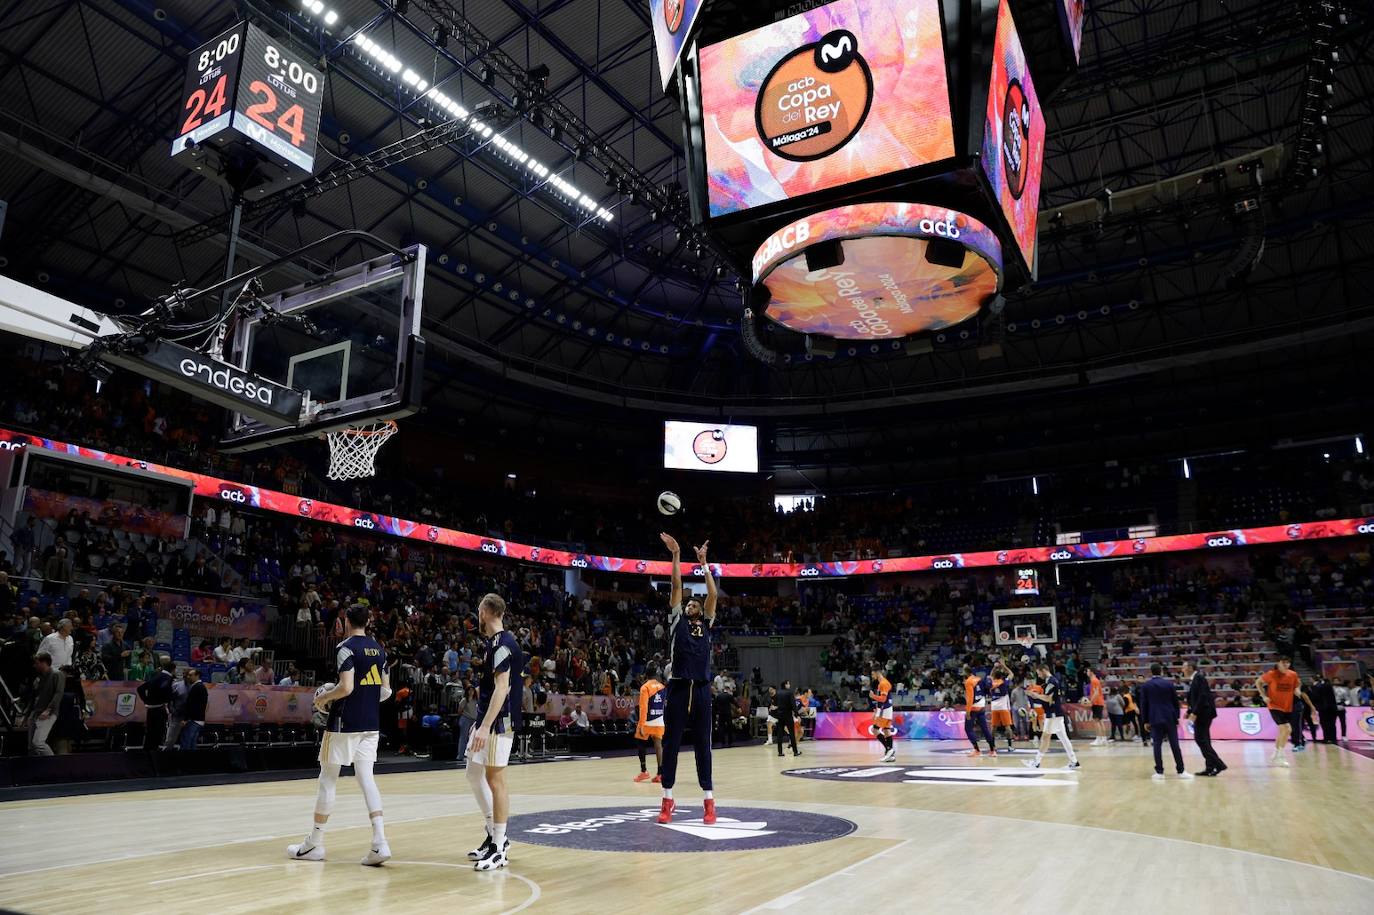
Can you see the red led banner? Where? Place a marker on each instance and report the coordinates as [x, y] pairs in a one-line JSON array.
[[270, 500]]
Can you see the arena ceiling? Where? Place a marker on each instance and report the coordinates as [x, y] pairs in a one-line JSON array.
[[538, 309]]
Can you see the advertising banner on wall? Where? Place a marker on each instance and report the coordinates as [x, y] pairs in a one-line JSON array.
[[116, 702], [213, 615], [948, 724], [135, 519], [597, 706], [263, 499]]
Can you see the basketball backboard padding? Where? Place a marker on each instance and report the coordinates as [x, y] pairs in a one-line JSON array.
[[361, 360]]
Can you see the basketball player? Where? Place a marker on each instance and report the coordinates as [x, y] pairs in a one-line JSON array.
[[976, 711], [350, 736], [489, 744], [999, 702], [1278, 686], [1051, 698], [1097, 699], [649, 727], [689, 683], [882, 727]]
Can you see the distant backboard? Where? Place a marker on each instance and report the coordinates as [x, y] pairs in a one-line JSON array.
[[361, 361], [1012, 625]]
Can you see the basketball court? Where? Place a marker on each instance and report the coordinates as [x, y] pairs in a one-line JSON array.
[[935, 833]]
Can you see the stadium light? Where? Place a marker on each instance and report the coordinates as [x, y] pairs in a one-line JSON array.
[[411, 77], [1359, 445], [1187, 471], [1035, 485]]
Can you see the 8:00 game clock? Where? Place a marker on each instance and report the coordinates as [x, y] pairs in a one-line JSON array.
[[250, 111]]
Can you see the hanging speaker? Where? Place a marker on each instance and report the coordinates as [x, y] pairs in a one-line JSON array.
[[945, 253], [824, 255]]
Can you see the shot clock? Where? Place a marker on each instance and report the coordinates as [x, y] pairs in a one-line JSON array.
[[250, 111]]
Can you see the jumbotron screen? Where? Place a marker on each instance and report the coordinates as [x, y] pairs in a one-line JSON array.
[[847, 91], [710, 446], [1014, 135], [1074, 12]]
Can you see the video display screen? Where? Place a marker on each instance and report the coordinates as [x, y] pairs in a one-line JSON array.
[[1014, 135], [673, 20], [1074, 11], [847, 91], [710, 446], [886, 285]]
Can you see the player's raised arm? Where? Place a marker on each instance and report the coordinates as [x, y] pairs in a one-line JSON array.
[[673, 548], [709, 608]]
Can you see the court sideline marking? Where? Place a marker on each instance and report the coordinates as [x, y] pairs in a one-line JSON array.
[[795, 896]]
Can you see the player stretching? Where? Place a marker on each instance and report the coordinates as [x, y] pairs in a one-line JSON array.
[[498, 715], [689, 683], [1050, 699], [649, 728], [350, 736], [882, 726], [975, 712], [999, 701]]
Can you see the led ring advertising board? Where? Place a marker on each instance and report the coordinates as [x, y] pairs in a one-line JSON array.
[[889, 281]]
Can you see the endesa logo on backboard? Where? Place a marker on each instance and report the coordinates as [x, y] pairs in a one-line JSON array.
[[847, 91]]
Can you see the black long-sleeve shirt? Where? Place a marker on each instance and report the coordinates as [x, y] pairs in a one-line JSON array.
[[197, 697]]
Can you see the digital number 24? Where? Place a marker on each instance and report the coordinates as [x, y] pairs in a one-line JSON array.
[[201, 106], [292, 120]]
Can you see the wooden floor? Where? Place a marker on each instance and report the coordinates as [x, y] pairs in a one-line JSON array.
[[1254, 840]]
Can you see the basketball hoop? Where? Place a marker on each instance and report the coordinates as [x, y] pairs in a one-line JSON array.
[[353, 449]]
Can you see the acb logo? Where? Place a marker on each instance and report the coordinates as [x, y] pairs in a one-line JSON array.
[[365, 522], [1223, 540], [942, 564], [491, 546], [233, 494], [1060, 554], [810, 572], [578, 562], [1366, 528]]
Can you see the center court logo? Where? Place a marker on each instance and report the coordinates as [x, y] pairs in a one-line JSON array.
[[632, 829], [815, 99], [1003, 777]]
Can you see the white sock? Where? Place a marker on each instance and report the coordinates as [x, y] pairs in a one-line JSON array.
[[668, 793], [316, 835], [490, 825], [378, 834], [710, 796], [498, 834]]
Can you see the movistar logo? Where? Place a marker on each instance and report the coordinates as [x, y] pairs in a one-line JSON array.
[[226, 380]]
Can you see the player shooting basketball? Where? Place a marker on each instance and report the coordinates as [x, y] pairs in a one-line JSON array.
[[689, 681]]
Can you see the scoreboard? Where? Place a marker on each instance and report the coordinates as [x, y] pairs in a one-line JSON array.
[[250, 111]]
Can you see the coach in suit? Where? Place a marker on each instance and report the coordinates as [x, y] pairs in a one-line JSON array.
[[1202, 711], [783, 707], [1159, 707]]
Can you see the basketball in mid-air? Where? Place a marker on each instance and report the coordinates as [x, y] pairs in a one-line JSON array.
[[669, 503]]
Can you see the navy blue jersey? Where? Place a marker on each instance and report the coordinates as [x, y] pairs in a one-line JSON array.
[[503, 656], [358, 710], [1051, 699], [690, 645]]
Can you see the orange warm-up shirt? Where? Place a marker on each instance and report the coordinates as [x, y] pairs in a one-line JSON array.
[[1095, 693], [1281, 688]]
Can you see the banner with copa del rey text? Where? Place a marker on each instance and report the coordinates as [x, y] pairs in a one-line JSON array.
[[213, 615], [597, 706], [948, 724], [115, 702]]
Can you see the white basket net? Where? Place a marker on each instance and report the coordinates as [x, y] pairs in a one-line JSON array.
[[353, 449]]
